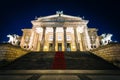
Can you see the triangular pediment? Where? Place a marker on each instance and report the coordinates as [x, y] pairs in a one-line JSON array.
[[59, 18]]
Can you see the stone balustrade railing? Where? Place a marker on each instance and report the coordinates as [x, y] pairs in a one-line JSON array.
[[109, 53], [9, 52]]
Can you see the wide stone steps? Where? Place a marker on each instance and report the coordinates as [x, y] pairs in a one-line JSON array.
[[86, 60], [74, 60], [33, 60]]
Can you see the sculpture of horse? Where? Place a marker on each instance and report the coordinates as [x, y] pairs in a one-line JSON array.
[[13, 39], [106, 38]]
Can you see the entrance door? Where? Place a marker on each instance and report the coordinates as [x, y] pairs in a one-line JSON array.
[[59, 46], [50, 46], [68, 47]]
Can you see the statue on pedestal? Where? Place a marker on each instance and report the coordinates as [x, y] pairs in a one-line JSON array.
[[14, 39], [106, 38]]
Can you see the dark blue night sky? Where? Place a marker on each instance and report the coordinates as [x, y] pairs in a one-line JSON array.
[[17, 14]]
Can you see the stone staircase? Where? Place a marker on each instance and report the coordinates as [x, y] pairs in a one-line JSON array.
[[74, 60], [32, 60], [87, 61]]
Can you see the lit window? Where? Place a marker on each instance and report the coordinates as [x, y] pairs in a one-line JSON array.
[[49, 30], [51, 38], [59, 38], [70, 29], [68, 37], [59, 29], [39, 30]]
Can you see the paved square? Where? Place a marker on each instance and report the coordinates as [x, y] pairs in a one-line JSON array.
[[59, 77]]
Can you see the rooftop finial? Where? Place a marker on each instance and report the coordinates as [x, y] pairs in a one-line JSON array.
[[83, 17], [36, 17]]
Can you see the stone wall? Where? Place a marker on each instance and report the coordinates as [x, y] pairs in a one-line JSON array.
[[109, 53], [9, 52]]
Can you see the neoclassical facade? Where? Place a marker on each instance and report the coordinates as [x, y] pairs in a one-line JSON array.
[[59, 32]]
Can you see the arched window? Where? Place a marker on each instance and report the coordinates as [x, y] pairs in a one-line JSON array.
[[24, 46], [94, 46], [91, 46]]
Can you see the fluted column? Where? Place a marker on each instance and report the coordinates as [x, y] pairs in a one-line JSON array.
[[76, 39], [43, 40], [65, 41], [54, 38], [81, 45], [32, 40]]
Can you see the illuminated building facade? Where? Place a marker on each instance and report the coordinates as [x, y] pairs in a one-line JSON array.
[[59, 32]]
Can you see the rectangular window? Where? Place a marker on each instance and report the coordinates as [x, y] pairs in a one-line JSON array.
[[68, 37], [59, 38], [50, 37]]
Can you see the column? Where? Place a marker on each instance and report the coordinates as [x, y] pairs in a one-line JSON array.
[[65, 41], [81, 45], [54, 38], [76, 39], [88, 46], [42, 40], [31, 44]]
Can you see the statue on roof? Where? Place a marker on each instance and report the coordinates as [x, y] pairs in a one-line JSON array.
[[59, 13]]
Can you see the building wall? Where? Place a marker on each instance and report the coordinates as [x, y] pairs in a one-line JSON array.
[[26, 38], [94, 38], [84, 40]]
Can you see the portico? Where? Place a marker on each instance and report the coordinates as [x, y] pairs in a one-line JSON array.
[[58, 39]]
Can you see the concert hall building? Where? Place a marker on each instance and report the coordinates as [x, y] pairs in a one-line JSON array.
[[59, 32]]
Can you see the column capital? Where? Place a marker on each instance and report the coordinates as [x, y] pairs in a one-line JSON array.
[[74, 27], [64, 27], [54, 28], [44, 27]]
